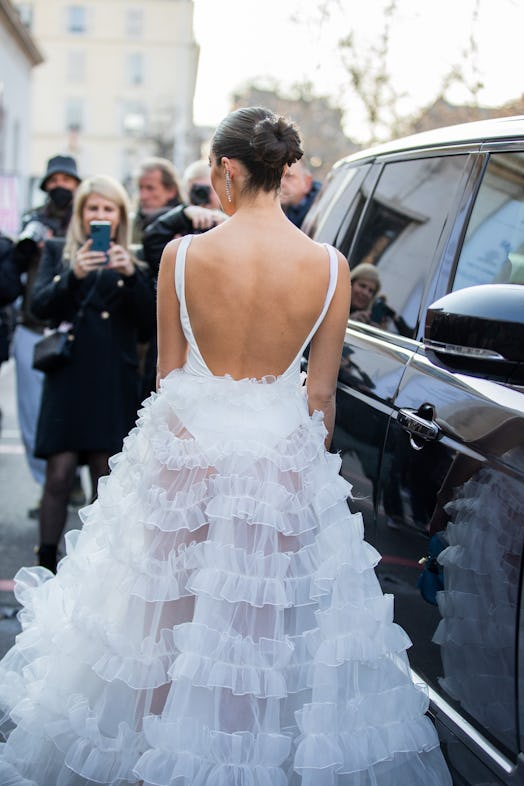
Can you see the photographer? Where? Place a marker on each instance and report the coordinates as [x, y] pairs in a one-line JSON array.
[[365, 285], [202, 213], [51, 219], [10, 288], [89, 403], [367, 306]]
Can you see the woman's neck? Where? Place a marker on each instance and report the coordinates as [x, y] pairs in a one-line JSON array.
[[260, 204]]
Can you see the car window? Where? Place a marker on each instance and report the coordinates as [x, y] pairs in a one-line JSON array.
[[334, 202], [493, 248], [400, 232]]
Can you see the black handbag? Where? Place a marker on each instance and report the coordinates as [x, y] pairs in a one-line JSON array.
[[53, 350]]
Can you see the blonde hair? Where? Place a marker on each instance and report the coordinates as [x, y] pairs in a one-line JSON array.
[[109, 188], [367, 271]]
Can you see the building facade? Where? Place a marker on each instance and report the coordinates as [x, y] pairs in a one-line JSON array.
[[19, 54], [117, 84]]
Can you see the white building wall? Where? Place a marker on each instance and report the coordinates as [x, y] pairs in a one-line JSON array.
[[16, 66], [169, 56]]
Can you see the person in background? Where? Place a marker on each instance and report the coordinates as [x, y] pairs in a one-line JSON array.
[[298, 190], [197, 183], [202, 213], [10, 289], [370, 307], [159, 189], [51, 219], [365, 285], [90, 403]]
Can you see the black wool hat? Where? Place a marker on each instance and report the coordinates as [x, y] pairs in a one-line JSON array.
[[64, 164]]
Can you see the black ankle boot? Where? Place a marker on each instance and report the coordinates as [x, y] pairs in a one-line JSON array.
[[47, 554]]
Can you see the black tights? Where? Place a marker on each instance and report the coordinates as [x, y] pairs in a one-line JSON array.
[[60, 473]]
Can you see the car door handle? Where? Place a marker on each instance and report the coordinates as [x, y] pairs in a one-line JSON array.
[[418, 425]]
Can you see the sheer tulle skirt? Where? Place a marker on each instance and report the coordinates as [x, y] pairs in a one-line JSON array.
[[217, 621]]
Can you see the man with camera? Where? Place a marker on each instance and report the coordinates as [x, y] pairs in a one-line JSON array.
[[49, 220], [159, 189], [202, 213], [10, 289]]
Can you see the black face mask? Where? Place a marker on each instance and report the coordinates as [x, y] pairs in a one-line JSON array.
[[60, 197]]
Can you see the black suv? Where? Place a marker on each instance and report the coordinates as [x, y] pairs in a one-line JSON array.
[[430, 416]]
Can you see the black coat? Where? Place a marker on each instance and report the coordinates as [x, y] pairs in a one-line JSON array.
[[10, 288], [10, 283], [159, 232], [90, 404]]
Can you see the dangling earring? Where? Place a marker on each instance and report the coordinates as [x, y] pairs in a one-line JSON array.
[[228, 186]]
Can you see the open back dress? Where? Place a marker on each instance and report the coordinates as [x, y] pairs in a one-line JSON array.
[[217, 621]]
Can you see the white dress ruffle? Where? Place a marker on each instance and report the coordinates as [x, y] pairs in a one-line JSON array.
[[217, 621], [479, 603]]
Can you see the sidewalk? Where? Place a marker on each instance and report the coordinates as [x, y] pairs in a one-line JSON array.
[[18, 493]]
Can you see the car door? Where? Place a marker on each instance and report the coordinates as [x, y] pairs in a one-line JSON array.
[[402, 219], [452, 487]]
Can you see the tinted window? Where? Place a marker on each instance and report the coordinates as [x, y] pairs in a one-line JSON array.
[[403, 223], [493, 249], [337, 198]]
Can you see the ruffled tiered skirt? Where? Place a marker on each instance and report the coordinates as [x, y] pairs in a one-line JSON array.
[[479, 603], [217, 621]]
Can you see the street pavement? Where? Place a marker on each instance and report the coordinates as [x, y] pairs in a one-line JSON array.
[[18, 493]]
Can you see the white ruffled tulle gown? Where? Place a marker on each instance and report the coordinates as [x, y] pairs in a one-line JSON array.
[[217, 621]]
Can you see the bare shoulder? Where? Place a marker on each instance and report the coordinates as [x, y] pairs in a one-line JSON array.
[[343, 265], [208, 244], [344, 275], [166, 270], [168, 259]]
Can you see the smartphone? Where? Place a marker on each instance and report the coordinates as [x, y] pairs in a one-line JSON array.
[[101, 237]]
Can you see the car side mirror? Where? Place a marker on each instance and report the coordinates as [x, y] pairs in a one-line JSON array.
[[480, 331]]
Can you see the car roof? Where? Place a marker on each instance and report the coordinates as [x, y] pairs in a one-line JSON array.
[[464, 133]]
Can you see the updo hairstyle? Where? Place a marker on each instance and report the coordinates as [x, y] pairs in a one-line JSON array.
[[262, 141]]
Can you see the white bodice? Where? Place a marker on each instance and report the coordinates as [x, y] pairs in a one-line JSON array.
[[195, 363]]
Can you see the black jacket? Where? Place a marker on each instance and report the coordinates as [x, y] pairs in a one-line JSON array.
[[90, 404], [10, 284], [160, 231], [28, 255], [10, 288]]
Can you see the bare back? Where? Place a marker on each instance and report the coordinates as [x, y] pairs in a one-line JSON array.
[[252, 297]]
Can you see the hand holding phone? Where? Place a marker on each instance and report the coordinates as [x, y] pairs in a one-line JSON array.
[[100, 234], [381, 311]]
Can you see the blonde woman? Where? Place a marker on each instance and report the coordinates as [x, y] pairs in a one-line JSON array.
[[90, 403]]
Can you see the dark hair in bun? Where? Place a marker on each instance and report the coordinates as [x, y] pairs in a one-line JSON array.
[[262, 141]]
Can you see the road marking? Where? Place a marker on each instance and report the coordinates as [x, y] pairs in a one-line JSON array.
[[12, 450], [10, 433]]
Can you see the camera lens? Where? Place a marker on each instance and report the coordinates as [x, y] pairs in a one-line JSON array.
[[199, 194]]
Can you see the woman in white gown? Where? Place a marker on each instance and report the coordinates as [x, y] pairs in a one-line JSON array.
[[217, 621]]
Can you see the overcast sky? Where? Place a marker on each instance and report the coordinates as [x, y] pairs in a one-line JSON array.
[[243, 40]]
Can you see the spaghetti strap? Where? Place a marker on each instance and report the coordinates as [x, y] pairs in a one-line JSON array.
[[333, 277], [181, 266]]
